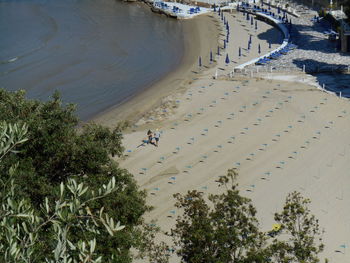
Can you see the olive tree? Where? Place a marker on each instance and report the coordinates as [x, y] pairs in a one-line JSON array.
[[226, 230], [300, 236], [21, 225]]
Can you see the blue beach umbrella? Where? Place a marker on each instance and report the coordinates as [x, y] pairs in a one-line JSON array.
[[227, 26], [200, 61], [227, 60], [214, 8], [247, 16], [259, 49]]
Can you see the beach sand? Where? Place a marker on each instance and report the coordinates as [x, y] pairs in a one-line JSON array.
[[282, 136]]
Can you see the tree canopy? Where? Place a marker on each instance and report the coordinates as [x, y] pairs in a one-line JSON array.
[[56, 151], [226, 229]]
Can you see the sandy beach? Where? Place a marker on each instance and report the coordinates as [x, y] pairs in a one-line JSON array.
[[201, 37], [282, 134]]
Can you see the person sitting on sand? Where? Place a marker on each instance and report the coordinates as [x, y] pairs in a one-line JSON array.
[[156, 137], [150, 136]]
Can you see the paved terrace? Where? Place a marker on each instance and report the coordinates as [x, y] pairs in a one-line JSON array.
[[314, 51]]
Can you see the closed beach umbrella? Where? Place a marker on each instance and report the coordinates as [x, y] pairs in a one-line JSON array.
[[227, 37], [214, 8], [224, 20], [239, 52], [251, 21], [250, 39], [269, 45], [248, 16], [211, 56], [248, 45], [219, 11], [218, 51], [227, 26], [227, 60], [200, 61], [256, 25], [259, 49], [224, 43]]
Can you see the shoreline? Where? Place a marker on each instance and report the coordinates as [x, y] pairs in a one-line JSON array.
[[197, 32], [273, 128]]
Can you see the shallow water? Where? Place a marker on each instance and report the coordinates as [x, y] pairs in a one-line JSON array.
[[96, 53]]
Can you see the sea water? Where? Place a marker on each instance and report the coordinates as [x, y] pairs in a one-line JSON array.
[[96, 53]]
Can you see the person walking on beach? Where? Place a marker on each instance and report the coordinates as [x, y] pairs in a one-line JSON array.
[[156, 137]]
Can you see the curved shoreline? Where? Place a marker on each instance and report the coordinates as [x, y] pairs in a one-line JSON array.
[[200, 35]]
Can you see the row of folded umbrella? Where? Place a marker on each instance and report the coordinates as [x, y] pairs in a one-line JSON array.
[[176, 9], [276, 55]]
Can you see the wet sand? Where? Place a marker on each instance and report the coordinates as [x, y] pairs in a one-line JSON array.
[[201, 36]]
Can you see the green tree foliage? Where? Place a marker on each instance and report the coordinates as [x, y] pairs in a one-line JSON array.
[[300, 229], [224, 231], [21, 224], [57, 152]]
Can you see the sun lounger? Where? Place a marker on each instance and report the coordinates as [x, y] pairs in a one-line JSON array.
[[260, 62]]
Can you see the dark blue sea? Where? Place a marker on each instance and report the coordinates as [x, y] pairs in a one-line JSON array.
[[96, 53]]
